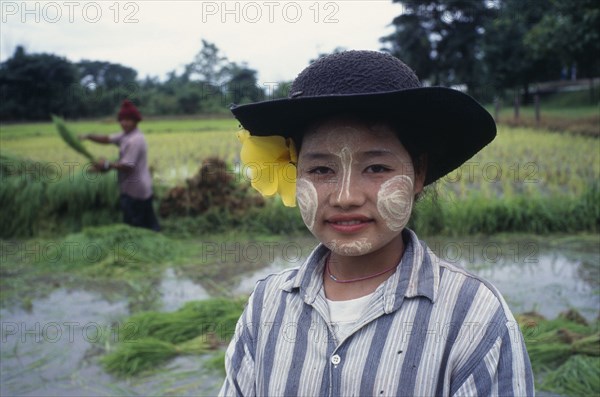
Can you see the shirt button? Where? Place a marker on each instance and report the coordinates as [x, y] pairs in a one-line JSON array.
[[335, 359]]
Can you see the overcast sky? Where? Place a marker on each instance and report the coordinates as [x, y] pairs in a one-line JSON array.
[[277, 38]]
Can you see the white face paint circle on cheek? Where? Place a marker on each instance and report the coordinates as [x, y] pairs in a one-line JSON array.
[[394, 201], [307, 197]]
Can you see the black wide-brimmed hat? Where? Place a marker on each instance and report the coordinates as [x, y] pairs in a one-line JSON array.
[[446, 124]]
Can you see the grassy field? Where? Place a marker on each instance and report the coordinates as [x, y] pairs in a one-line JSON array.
[[535, 178], [176, 147], [520, 159], [583, 120]]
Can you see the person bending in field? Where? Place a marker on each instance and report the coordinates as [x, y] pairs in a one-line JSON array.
[[372, 311], [135, 181]]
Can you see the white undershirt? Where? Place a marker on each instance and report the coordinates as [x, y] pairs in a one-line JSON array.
[[344, 314]]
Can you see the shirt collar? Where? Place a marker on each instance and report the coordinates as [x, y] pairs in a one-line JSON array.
[[418, 275], [135, 131]]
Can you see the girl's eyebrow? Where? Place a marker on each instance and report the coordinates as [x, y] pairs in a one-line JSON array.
[[368, 154], [377, 153], [317, 156]]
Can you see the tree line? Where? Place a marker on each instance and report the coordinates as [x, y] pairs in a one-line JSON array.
[[32, 86], [489, 48], [492, 46]]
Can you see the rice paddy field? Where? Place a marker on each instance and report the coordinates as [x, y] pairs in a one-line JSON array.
[[177, 147], [521, 161], [76, 286]]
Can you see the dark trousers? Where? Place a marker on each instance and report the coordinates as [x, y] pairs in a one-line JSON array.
[[139, 213]]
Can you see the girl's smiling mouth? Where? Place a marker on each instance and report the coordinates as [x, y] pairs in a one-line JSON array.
[[348, 223]]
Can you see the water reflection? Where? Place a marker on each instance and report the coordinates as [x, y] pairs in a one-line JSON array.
[[52, 348], [532, 275], [529, 275]]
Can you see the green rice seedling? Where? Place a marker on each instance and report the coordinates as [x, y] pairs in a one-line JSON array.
[[216, 315], [37, 196], [550, 343], [198, 345], [136, 356], [589, 345], [526, 181], [153, 337], [534, 213], [216, 362], [112, 250], [69, 138], [548, 355], [148, 353], [578, 376]]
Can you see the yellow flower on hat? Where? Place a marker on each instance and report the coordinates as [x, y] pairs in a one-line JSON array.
[[271, 163]]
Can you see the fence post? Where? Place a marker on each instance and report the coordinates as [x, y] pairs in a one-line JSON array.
[[536, 100], [497, 110], [517, 105]]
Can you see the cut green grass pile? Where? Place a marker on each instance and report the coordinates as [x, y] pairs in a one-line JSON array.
[[110, 251], [564, 352], [38, 197], [152, 338], [578, 376]]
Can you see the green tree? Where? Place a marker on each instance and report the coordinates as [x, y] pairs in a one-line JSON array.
[[34, 85], [568, 30], [509, 63], [442, 39], [242, 86], [104, 85], [209, 65]]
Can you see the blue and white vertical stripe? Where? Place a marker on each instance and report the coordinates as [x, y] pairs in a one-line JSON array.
[[430, 329]]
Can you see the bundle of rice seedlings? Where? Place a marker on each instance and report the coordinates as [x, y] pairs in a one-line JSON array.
[[196, 328], [217, 316], [35, 198], [578, 376], [69, 138], [136, 356], [548, 355], [104, 250], [550, 343], [147, 353], [198, 345], [72, 196], [589, 345]]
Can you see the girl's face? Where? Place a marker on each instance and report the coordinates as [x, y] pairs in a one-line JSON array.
[[355, 186]]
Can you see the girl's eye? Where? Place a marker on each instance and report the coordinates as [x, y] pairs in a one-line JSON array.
[[377, 168], [320, 170]]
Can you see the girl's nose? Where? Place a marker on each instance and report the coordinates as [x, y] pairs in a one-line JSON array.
[[347, 192]]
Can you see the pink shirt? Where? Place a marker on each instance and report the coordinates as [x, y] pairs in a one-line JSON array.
[[133, 151]]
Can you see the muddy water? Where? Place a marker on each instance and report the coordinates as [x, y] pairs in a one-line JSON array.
[[548, 277], [52, 347]]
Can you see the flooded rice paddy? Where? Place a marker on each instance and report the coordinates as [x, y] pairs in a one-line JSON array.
[[51, 345]]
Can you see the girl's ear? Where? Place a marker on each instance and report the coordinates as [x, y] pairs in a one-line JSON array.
[[420, 174]]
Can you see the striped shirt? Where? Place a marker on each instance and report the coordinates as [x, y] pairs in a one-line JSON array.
[[430, 329]]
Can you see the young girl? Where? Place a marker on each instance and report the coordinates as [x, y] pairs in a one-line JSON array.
[[372, 311]]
